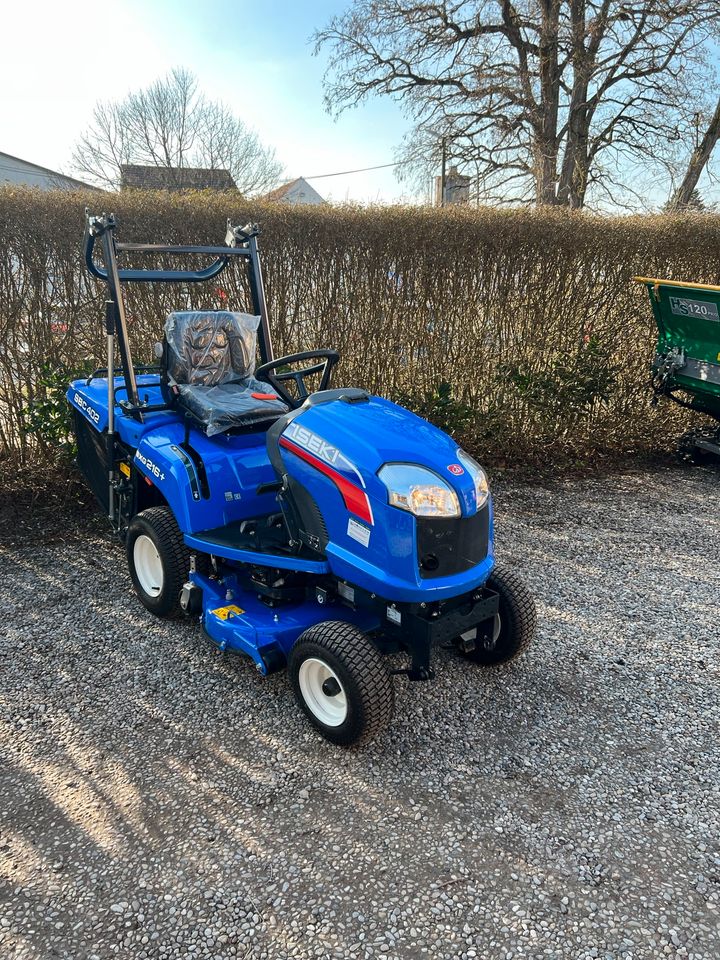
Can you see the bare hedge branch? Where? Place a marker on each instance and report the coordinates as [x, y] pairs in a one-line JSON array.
[[530, 315]]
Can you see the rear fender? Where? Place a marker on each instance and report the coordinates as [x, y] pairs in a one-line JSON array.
[[166, 471]]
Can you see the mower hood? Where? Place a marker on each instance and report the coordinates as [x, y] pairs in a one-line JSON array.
[[359, 435], [329, 453]]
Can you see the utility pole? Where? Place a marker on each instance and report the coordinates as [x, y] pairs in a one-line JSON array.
[[442, 171]]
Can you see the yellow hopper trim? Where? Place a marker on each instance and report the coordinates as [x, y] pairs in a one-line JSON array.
[[676, 283]]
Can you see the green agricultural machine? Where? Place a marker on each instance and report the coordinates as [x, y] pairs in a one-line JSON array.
[[687, 363]]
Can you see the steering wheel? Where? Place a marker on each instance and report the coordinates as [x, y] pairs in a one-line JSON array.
[[327, 358]]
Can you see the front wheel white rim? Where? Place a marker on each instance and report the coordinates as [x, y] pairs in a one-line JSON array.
[[322, 692], [148, 566]]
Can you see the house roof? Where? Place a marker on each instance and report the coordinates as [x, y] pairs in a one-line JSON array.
[[8, 161], [279, 193], [139, 177], [282, 192]]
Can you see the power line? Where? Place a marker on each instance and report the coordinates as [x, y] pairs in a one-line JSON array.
[[43, 172], [344, 173]]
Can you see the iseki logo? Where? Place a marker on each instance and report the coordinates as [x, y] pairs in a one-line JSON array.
[[455, 469], [312, 442]]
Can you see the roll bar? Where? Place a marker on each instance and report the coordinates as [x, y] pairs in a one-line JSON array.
[[97, 227], [241, 242]]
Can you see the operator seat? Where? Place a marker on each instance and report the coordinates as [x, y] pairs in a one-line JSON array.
[[209, 358]]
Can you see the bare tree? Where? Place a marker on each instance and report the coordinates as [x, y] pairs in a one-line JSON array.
[[172, 125], [686, 196], [549, 99]]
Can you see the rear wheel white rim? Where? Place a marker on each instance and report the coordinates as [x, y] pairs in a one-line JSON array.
[[497, 627], [329, 709], [148, 566]]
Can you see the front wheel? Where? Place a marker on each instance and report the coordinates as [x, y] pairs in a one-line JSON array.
[[514, 624], [341, 683]]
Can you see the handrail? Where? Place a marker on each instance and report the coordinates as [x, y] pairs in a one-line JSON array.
[[241, 242], [223, 255]]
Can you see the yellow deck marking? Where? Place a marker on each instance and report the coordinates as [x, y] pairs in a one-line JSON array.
[[224, 613]]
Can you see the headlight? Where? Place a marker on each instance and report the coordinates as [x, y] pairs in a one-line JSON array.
[[419, 491], [482, 491]]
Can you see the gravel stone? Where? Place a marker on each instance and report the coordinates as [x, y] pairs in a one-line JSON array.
[[161, 800]]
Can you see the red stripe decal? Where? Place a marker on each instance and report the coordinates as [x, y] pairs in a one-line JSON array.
[[355, 499]]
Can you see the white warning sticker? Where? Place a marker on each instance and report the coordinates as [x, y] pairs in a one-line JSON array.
[[359, 532], [393, 614]]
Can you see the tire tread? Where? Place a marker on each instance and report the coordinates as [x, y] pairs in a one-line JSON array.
[[358, 654], [519, 602], [165, 527], [524, 606]]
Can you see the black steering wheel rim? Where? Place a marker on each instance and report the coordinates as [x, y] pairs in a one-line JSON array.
[[266, 373]]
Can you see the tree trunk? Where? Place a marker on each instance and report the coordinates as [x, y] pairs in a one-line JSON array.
[[698, 161], [546, 138], [574, 170]]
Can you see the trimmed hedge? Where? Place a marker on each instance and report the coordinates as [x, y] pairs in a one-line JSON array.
[[529, 316]]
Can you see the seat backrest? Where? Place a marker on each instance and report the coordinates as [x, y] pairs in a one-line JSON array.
[[210, 347]]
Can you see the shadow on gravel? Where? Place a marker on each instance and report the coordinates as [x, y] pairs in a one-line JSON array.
[[158, 799], [52, 505]]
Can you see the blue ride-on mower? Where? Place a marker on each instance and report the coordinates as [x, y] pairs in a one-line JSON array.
[[313, 530]]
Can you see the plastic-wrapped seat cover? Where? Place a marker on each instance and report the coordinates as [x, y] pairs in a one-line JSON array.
[[210, 361]]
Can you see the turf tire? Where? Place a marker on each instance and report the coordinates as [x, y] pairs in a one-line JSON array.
[[518, 619], [160, 526], [363, 676]]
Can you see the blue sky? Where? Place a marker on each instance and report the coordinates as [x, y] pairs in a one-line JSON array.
[[254, 56]]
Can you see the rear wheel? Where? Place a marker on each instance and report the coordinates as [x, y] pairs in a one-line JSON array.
[[515, 621], [341, 683], [158, 560]]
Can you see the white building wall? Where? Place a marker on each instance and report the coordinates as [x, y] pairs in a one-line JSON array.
[[302, 192], [23, 173]]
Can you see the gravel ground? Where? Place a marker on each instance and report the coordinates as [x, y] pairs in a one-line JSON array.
[[158, 799]]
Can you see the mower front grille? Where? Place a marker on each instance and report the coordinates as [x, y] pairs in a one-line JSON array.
[[452, 545]]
